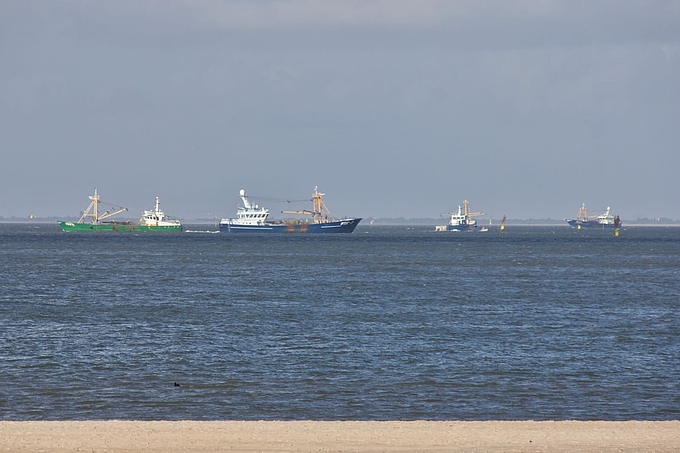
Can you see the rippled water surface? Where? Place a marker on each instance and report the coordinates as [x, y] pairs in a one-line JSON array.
[[385, 323]]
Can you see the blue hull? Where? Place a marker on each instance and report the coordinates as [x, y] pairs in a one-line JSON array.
[[590, 224], [339, 226], [460, 228]]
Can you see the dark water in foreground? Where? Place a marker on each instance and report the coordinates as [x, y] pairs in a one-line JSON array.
[[386, 323]]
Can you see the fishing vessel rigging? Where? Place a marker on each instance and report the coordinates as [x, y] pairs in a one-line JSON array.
[[251, 218], [92, 219], [605, 220], [461, 220]]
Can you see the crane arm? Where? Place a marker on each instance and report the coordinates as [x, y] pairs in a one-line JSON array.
[[111, 213], [298, 212]]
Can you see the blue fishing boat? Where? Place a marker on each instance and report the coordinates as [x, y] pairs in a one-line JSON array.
[[603, 221], [251, 218]]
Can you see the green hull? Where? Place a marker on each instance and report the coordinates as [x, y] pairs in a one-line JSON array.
[[117, 228]]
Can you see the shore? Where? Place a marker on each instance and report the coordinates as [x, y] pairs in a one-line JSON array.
[[339, 436]]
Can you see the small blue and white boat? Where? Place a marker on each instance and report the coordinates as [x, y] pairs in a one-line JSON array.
[[251, 218]]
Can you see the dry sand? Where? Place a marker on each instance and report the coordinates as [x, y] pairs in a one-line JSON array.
[[315, 436]]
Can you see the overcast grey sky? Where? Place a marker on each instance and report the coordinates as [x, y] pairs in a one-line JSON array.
[[394, 108]]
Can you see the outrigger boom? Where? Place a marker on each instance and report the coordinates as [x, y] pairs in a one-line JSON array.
[[251, 218], [319, 208], [94, 206], [152, 221]]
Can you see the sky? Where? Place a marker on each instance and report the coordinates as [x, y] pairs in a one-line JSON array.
[[393, 108]]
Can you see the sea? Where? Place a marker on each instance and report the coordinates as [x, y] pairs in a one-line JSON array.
[[386, 323]]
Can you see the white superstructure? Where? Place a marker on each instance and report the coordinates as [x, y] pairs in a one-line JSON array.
[[249, 214], [156, 217], [461, 220], [607, 218]]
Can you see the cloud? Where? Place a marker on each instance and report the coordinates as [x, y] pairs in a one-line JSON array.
[[488, 25], [429, 14]]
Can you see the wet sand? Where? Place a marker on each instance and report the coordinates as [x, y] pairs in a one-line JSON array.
[[333, 436]]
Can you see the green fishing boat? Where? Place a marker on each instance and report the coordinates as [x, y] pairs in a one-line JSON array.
[[153, 220]]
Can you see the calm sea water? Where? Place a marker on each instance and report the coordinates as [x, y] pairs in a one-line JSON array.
[[386, 323]]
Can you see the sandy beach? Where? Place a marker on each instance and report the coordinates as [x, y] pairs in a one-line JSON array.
[[335, 436]]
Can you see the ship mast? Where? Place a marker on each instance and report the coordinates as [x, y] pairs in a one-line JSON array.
[[244, 198], [469, 215], [317, 204], [582, 213], [94, 206], [319, 208]]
